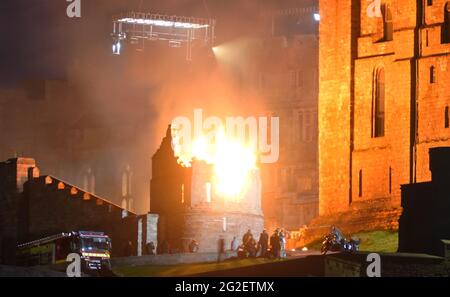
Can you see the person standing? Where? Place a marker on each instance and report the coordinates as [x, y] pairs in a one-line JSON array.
[[246, 237], [275, 243], [263, 243], [250, 247], [282, 244], [220, 249], [234, 244]]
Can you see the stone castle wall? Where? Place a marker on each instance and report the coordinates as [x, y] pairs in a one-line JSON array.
[[355, 166], [33, 206]]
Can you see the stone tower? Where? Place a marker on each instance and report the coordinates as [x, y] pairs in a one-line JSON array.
[[189, 209]]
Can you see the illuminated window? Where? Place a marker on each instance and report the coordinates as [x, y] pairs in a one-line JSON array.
[[378, 104], [124, 184], [208, 192], [224, 224], [182, 193], [89, 181]]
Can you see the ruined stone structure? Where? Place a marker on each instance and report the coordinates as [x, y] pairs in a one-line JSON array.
[[383, 102], [286, 76], [424, 223], [189, 208], [34, 206]]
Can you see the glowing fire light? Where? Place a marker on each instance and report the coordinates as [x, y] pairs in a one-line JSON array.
[[231, 159]]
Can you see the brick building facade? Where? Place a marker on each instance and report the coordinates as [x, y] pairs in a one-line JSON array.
[[383, 99]]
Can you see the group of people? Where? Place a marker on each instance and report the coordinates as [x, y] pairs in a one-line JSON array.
[[251, 248]]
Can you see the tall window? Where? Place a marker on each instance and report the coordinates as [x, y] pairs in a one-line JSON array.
[[295, 79], [89, 181], [378, 102], [360, 184], [126, 182], [432, 75], [446, 118], [390, 180], [388, 26], [306, 127], [182, 193], [208, 188], [446, 26]]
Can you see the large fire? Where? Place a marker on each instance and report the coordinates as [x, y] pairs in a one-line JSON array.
[[231, 158]]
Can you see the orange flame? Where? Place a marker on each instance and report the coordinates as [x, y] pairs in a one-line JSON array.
[[231, 158]]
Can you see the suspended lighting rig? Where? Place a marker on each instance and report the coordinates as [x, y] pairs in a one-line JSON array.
[[137, 28]]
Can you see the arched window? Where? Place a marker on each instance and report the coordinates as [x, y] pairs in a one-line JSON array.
[[378, 104], [446, 26]]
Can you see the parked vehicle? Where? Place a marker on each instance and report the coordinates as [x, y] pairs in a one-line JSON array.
[[336, 242], [93, 247]]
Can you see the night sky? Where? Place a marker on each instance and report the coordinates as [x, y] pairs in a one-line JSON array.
[[39, 40]]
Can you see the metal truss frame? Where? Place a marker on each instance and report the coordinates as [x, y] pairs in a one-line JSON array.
[[139, 27]]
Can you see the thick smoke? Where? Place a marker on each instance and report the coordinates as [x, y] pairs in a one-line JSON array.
[[151, 87]]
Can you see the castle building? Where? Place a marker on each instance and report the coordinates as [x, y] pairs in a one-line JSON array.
[[384, 100], [286, 76]]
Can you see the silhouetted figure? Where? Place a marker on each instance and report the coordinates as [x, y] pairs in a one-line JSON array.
[[250, 247], [275, 244], [246, 237], [263, 243], [220, 249], [150, 248], [129, 250], [282, 237]]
